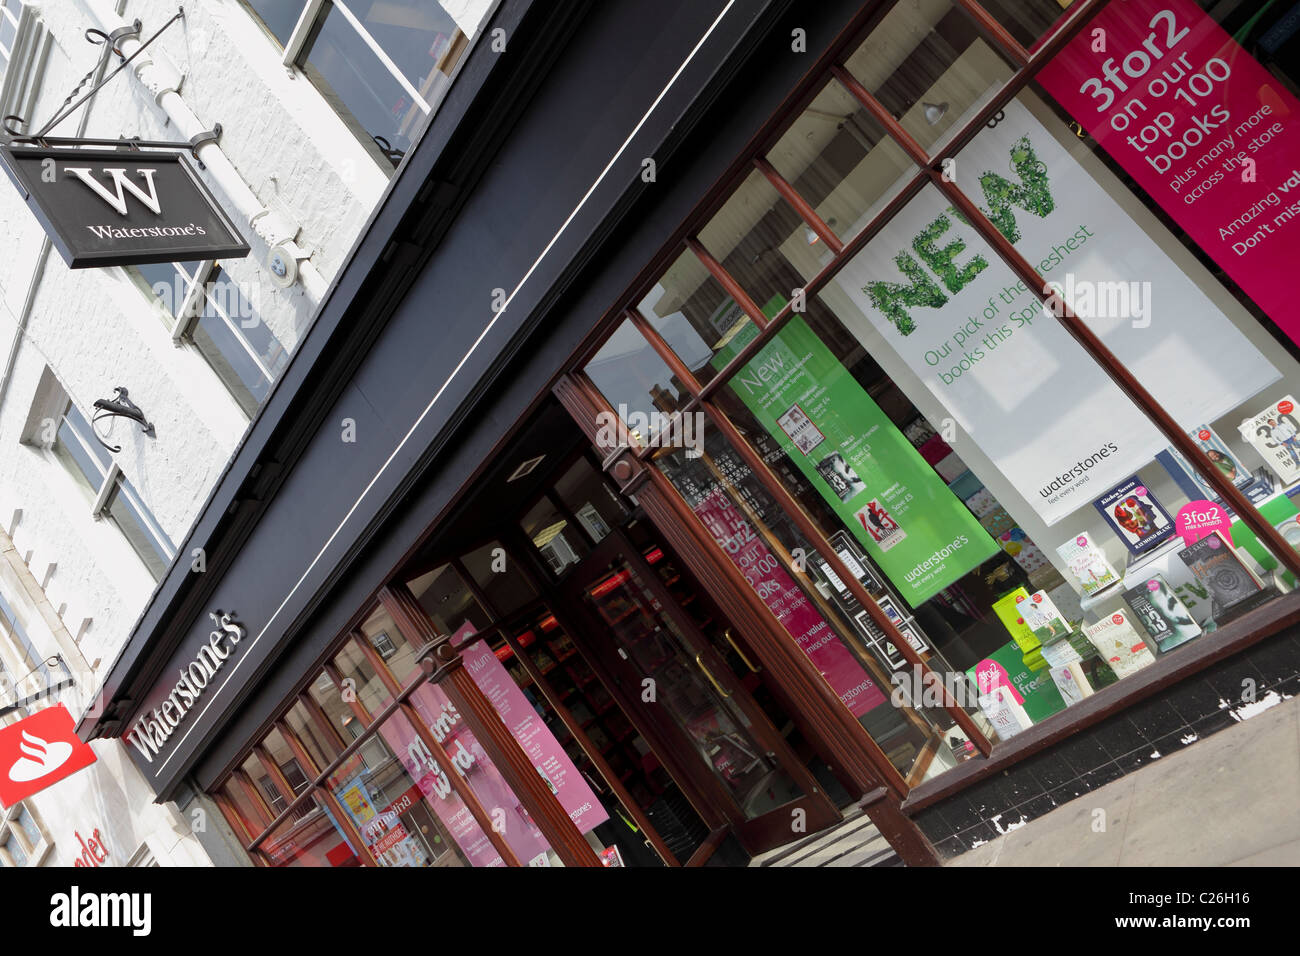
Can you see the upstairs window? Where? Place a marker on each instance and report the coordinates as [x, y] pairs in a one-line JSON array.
[[115, 498], [382, 64]]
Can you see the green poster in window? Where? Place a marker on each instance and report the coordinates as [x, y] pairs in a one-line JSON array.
[[911, 524]]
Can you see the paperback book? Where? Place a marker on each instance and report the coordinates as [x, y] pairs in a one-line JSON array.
[[1275, 434], [1119, 644], [1165, 618], [1135, 515], [1220, 457], [1087, 563], [1231, 584]]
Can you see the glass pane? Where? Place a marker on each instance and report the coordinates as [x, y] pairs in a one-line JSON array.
[[391, 645], [694, 315], [358, 85], [166, 283], [763, 243], [414, 34], [637, 383], [277, 748], [88, 449], [279, 16], [336, 709], [584, 491], [401, 815], [139, 528], [370, 690], [559, 544], [507, 590], [929, 67], [252, 817], [448, 602], [319, 746], [228, 353], [16, 851], [718, 731], [224, 293], [29, 827], [840, 160], [813, 605], [312, 839]]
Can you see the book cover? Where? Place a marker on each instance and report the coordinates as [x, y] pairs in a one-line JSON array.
[[1043, 618], [1217, 566], [1220, 457], [1119, 644], [1087, 563], [1135, 515], [1157, 609], [1275, 434]]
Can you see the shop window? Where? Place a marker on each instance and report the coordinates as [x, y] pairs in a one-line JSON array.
[[637, 383], [449, 602], [761, 241], [382, 66], [360, 679], [839, 160], [928, 66], [1030, 22], [793, 579], [206, 308], [115, 498], [23, 839], [320, 745], [693, 314]]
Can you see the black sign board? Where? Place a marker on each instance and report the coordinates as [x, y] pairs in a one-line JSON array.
[[119, 207]]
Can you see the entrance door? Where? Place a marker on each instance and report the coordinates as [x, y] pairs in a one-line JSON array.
[[668, 676]]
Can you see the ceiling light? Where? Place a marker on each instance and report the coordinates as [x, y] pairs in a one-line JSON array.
[[935, 111]]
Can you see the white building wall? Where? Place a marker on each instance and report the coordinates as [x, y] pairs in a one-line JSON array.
[[96, 330]]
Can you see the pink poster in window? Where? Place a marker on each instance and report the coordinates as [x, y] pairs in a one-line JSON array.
[[783, 597], [536, 739], [1202, 127]]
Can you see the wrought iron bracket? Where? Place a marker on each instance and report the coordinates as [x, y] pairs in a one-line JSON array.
[[119, 406]]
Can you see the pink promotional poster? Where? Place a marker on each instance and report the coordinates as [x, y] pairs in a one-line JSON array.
[[1202, 127], [788, 603]]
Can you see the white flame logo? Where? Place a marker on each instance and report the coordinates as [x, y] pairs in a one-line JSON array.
[[42, 757]]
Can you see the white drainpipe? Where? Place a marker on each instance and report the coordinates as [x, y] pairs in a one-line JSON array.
[[156, 73]]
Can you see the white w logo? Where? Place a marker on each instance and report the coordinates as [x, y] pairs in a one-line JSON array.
[[117, 200]]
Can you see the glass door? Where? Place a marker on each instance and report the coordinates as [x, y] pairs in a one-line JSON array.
[[669, 675]]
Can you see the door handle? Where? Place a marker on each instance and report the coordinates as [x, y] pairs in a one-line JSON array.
[[741, 654], [712, 680]]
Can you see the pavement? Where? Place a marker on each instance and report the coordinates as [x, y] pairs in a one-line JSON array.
[[1232, 799]]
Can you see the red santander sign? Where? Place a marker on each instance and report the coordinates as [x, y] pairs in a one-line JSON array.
[[39, 750]]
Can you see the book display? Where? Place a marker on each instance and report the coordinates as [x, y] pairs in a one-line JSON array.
[[1275, 434]]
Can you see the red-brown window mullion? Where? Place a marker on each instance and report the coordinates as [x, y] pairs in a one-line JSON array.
[[254, 797], [729, 285], [801, 205], [381, 668], [233, 817], [1120, 375], [278, 779], [322, 722], [790, 505], [995, 31], [881, 115]]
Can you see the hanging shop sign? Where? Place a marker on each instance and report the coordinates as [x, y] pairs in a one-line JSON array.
[[917, 531], [1005, 369], [1203, 128], [38, 751], [117, 207], [152, 730]]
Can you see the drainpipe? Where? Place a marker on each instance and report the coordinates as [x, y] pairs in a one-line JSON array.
[[163, 81]]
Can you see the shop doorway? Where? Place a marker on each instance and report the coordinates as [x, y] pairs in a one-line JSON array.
[[678, 688], [693, 750]]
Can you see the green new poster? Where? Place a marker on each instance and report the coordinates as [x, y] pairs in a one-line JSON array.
[[914, 527]]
